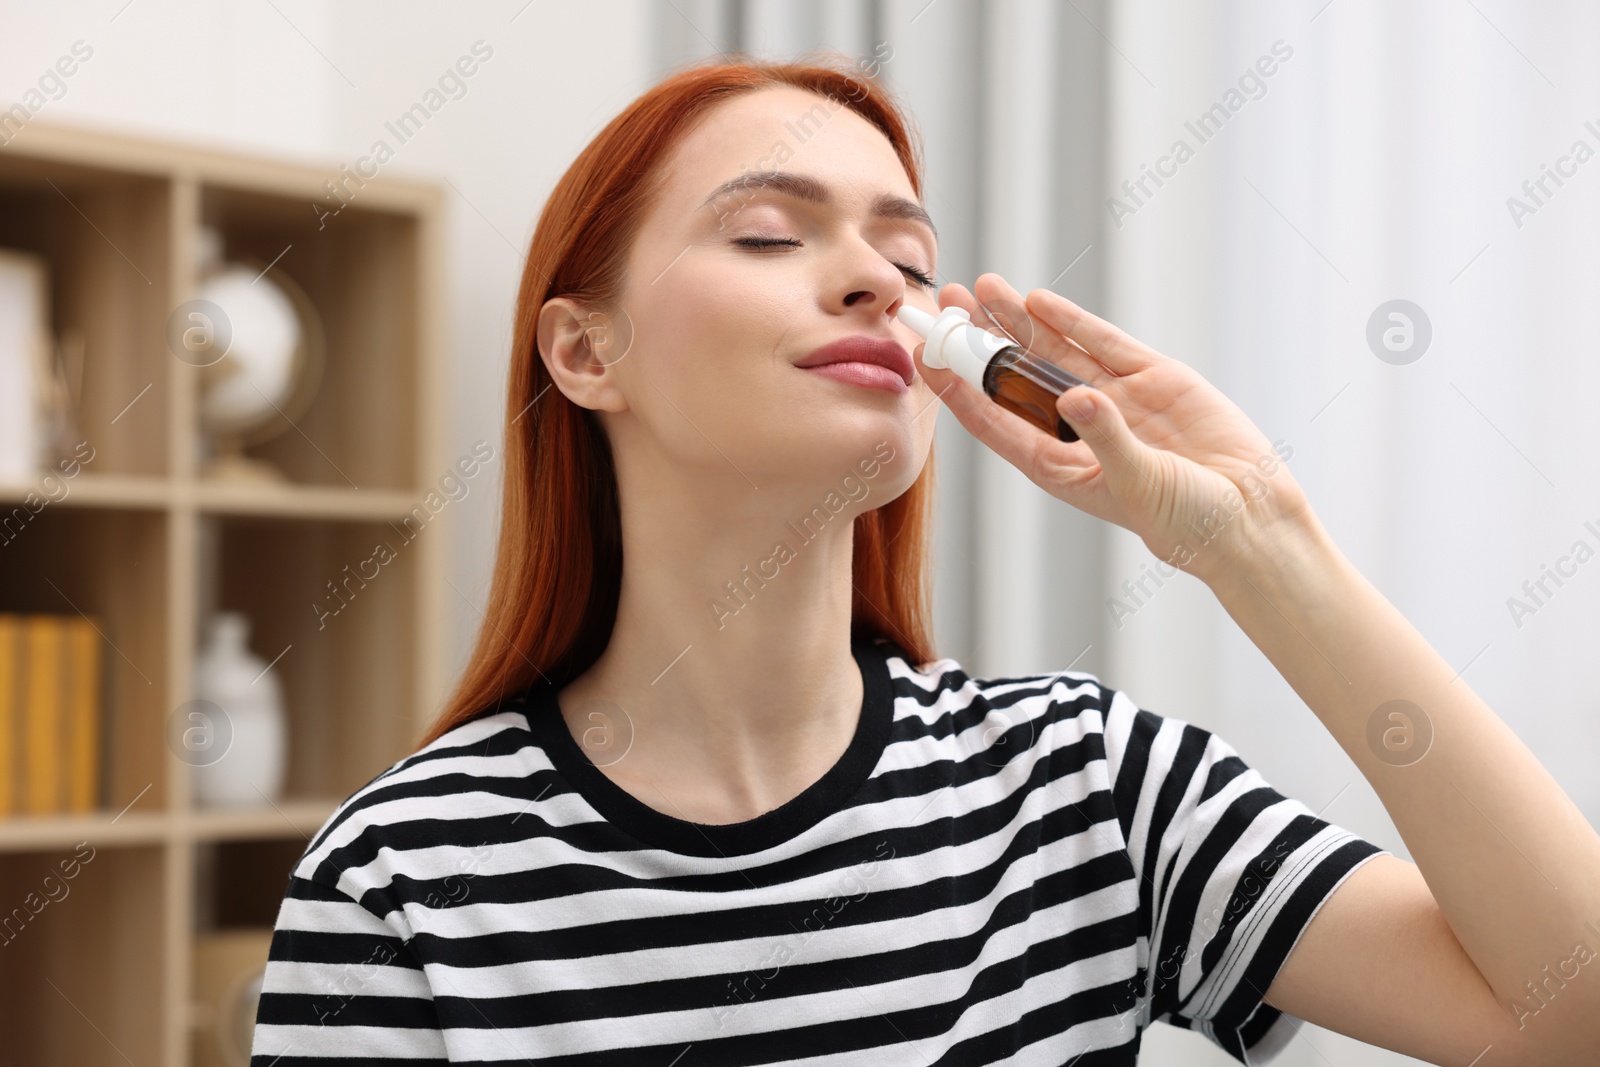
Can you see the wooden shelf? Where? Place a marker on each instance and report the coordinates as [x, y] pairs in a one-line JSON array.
[[61, 832], [133, 491], [139, 540], [290, 501], [216, 498], [298, 819], [304, 502]]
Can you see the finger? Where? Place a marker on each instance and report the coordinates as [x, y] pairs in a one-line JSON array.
[[1125, 459], [1006, 308], [956, 295], [1003, 306], [1109, 345]]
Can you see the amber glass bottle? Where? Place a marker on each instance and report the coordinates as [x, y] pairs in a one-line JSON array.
[[1018, 381], [1028, 386]]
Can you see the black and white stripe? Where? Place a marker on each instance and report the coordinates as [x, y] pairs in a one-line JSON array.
[[1022, 870]]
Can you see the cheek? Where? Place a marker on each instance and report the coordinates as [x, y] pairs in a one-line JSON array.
[[921, 427], [713, 330], [702, 364], [925, 415]]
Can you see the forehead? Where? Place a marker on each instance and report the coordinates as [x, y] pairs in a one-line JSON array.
[[784, 128]]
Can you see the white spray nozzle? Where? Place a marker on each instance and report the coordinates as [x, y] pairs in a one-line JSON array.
[[953, 342], [917, 319]]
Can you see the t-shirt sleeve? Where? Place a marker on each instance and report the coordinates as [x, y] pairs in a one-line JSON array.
[[341, 987], [1230, 873]]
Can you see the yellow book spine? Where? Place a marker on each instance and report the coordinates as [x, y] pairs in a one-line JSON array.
[[10, 719], [42, 775], [83, 716]]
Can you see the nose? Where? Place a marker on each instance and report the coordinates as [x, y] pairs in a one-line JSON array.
[[868, 280]]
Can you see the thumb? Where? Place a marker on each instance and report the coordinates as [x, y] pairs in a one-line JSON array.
[[1100, 425]]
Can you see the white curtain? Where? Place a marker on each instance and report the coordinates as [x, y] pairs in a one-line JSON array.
[[1376, 165]]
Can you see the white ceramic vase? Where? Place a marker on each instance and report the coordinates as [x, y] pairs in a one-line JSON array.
[[249, 719]]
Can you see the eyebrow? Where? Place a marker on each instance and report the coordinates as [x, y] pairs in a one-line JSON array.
[[804, 187]]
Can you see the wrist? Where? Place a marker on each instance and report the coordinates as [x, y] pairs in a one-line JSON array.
[[1291, 561]]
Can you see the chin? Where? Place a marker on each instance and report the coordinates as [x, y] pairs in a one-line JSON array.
[[885, 443]]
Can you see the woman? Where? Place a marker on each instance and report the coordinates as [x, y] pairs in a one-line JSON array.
[[705, 794]]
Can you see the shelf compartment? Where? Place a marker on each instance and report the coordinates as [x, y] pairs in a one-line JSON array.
[[359, 270], [241, 883], [111, 566], [238, 890], [105, 237], [338, 617], [106, 905]]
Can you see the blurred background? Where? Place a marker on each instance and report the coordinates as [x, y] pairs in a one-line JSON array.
[[1370, 224]]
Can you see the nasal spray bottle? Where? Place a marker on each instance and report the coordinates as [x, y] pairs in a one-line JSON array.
[[1024, 385]]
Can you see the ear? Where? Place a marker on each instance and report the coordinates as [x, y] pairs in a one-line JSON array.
[[580, 347]]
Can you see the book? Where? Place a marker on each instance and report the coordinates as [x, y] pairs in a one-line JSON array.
[[81, 665], [10, 715], [24, 361], [43, 638], [51, 683]]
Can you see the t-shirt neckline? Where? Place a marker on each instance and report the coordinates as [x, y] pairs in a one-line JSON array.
[[660, 830]]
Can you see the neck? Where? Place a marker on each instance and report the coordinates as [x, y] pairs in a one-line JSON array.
[[730, 656]]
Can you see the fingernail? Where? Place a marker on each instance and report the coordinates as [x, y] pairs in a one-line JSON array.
[[1081, 405]]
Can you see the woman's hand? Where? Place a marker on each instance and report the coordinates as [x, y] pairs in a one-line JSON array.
[[1169, 457]]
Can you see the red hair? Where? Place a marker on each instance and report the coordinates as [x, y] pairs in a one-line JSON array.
[[558, 569]]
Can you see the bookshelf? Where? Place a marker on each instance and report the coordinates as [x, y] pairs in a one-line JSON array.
[[104, 973]]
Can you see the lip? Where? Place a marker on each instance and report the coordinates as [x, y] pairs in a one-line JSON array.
[[858, 359]]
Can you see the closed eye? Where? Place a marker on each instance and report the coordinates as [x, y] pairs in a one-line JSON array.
[[920, 277]]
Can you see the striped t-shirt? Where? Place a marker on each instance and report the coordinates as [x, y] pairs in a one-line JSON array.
[[1024, 870]]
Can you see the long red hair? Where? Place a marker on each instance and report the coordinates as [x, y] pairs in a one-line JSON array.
[[558, 569]]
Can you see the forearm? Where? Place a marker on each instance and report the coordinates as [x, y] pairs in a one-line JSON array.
[[1509, 859]]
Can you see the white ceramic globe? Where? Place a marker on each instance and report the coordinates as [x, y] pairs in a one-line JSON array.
[[256, 376]]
